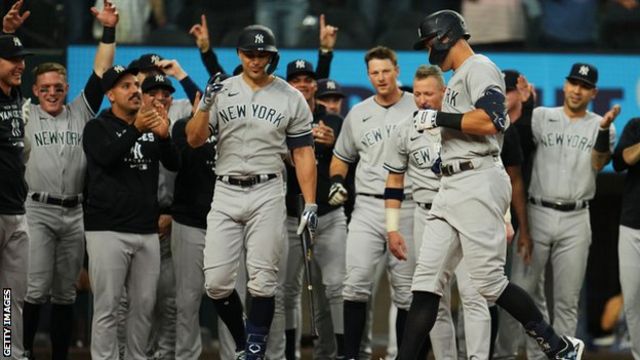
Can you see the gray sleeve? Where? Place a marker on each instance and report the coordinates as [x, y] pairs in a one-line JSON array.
[[484, 76], [345, 148], [536, 124], [396, 159], [301, 118], [80, 107]]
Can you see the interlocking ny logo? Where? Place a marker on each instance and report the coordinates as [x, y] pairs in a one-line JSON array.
[[584, 70], [136, 151], [17, 42], [159, 78], [258, 39], [155, 59], [300, 64], [331, 85], [118, 68]]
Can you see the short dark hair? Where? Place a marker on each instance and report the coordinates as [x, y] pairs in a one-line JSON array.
[[425, 71], [49, 67], [381, 53]]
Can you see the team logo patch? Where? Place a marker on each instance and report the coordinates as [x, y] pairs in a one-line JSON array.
[[300, 64], [584, 70], [155, 59], [331, 85], [17, 42], [118, 68], [159, 78], [258, 39]]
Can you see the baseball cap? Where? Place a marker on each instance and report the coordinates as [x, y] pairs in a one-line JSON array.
[[148, 62], [585, 73], [300, 66], [157, 81], [510, 79], [114, 73], [328, 87], [11, 47]]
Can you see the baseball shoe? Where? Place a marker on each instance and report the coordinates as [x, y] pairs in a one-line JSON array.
[[572, 350], [239, 355]]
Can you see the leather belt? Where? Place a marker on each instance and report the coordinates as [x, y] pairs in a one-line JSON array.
[[426, 206], [561, 205], [378, 196], [247, 181], [69, 202], [449, 169], [477, 163]]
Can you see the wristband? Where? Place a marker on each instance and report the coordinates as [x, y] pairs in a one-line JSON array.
[[393, 194], [602, 141], [449, 120], [108, 35], [337, 179], [392, 219]]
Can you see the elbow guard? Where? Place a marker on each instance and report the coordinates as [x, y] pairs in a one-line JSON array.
[[493, 103]]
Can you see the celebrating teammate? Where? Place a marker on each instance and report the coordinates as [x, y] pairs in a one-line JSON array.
[[474, 186], [367, 126], [258, 118], [572, 145]]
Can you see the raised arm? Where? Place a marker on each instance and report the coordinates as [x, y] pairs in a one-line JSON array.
[[328, 38], [200, 32], [108, 17], [601, 153], [13, 19]]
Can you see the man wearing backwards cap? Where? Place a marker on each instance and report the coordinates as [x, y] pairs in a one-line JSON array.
[[14, 239], [572, 146], [123, 146], [330, 95]]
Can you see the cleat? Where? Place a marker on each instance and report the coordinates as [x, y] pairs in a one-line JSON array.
[[572, 351]]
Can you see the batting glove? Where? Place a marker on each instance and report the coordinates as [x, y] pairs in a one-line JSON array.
[[309, 220], [337, 194], [424, 119], [210, 92]]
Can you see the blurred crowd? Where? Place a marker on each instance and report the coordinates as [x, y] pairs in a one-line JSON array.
[[558, 25]]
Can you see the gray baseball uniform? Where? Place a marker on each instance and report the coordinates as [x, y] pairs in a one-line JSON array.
[[629, 241], [254, 129], [364, 132], [563, 181], [414, 154], [56, 171], [460, 221]]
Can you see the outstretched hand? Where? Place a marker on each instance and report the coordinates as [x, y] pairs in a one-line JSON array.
[[328, 35], [13, 20], [201, 33], [108, 16]]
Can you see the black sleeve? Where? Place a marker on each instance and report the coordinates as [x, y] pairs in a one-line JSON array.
[[104, 146], [630, 136], [524, 128], [210, 62], [511, 153], [324, 64], [169, 154], [335, 123], [190, 88], [179, 136], [93, 92]]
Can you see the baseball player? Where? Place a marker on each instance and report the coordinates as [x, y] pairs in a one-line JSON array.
[[625, 157], [418, 157], [191, 203], [466, 216], [55, 175], [14, 236], [330, 95], [258, 118], [572, 145], [367, 126], [123, 146], [328, 265]]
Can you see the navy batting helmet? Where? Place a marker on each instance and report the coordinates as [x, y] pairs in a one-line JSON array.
[[446, 27], [260, 38]]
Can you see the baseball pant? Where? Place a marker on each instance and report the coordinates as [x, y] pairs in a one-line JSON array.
[[56, 251], [466, 218], [629, 254], [162, 340], [366, 247], [252, 218], [328, 267], [14, 262], [562, 237], [187, 253], [276, 338], [117, 260]]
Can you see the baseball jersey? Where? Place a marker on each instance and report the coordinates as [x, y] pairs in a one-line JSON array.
[[365, 130], [179, 109], [122, 175], [468, 84], [562, 161], [13, 188], [57, 163], [630, 212], [414, 153], [256, 128]]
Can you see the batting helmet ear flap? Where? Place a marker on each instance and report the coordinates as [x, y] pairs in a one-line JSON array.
[[273, 63]]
